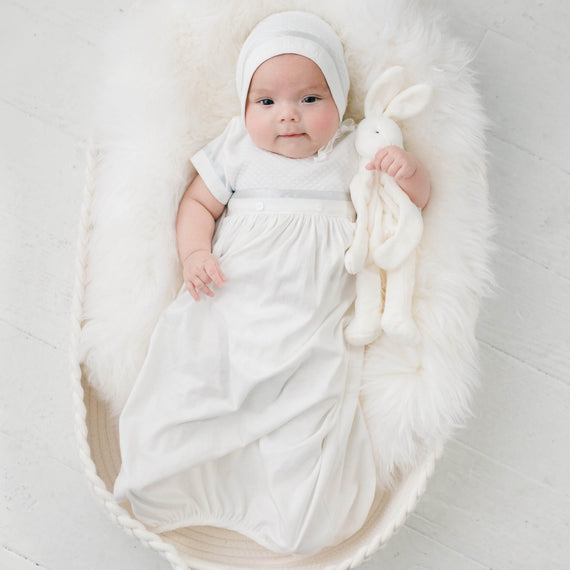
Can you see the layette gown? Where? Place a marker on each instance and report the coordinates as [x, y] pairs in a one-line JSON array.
[[246, 412]]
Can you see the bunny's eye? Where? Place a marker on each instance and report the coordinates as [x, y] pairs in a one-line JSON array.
[[377, 132]]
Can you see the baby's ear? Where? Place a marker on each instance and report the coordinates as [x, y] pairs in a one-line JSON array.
[[383, 90], [409, 102]]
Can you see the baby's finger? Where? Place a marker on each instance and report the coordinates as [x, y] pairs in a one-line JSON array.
[[375, 164], [396, 170], [407, 171], [203, 276], [386, 163], [215, 274], [192, 290], [204, 289], [381, 153], [201, 287]]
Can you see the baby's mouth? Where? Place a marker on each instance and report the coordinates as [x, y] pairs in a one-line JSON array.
[[292, 135]]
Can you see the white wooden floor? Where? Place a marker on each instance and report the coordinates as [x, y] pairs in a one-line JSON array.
[[500, 498]]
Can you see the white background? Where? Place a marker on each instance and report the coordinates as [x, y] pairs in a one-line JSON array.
[[500, 497]]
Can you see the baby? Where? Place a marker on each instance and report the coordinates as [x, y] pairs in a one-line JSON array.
[[289, 111], [246, 412]]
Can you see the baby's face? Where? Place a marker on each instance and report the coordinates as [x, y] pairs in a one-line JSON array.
[[289, 109]]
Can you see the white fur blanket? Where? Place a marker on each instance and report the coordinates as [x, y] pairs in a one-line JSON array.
[[168, 88]]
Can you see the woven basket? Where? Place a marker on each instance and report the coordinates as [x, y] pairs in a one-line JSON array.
[[451, 296]]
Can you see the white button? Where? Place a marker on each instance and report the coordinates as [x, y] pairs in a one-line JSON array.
[[259, 206]]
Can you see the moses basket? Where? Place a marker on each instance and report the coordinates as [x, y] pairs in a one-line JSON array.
[[167, 88]]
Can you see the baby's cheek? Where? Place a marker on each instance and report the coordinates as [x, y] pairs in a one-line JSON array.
[[327, 123], [256, 127]]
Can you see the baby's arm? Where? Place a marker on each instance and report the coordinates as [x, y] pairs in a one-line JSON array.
[[408, 171], [195, 222]]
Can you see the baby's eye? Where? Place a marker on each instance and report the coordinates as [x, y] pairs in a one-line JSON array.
[[310, 99], [266, 102]]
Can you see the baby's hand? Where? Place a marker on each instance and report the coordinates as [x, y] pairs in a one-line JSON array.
[[394, 161], [199, 269]]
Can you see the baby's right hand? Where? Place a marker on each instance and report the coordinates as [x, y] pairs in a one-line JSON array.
[[199, 269]]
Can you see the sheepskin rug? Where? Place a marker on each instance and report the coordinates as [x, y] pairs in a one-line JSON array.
[[167, 88]]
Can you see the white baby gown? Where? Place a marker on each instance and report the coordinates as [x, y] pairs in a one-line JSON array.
[[246, 412]]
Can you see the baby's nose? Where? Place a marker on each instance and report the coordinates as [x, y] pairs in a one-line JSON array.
[[289, 113]]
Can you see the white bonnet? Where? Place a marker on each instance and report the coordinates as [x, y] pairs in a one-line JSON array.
[[300, 33]]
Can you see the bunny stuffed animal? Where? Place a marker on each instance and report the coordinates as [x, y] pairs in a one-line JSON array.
[[388, 225]]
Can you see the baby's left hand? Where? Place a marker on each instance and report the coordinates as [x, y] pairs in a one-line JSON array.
[[394, 161]]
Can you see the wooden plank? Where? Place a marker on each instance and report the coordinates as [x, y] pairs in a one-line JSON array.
[[52, 59], [42, 176], [493, 514], [539, 26], [10, 560], [521, 91], [532, 205], [48, 516], [410, 549], [35, 375], [528, 318], [472, 505], [521, 422]]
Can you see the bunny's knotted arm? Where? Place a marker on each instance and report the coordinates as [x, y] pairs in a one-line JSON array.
[[360, 194]]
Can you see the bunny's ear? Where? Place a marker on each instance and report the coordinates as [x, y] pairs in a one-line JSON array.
[[409, 102], [383, 90]]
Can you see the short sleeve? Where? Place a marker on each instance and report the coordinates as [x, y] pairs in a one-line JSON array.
[[214, 162]]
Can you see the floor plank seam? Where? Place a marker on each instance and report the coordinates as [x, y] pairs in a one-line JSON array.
[[534, 367], [493, 133], [29, 335], [79, 138], [547, 486], [533, 261], [444, 546], [16, 553], [517, 41]]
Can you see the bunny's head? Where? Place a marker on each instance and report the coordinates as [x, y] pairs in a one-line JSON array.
[[385, 104]]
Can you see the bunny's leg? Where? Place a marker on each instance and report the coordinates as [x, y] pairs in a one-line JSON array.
[[397, 320], [365, 325]]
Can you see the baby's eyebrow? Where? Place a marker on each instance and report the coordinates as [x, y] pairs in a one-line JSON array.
[[316, 87], [313, 89], [254, 93]]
